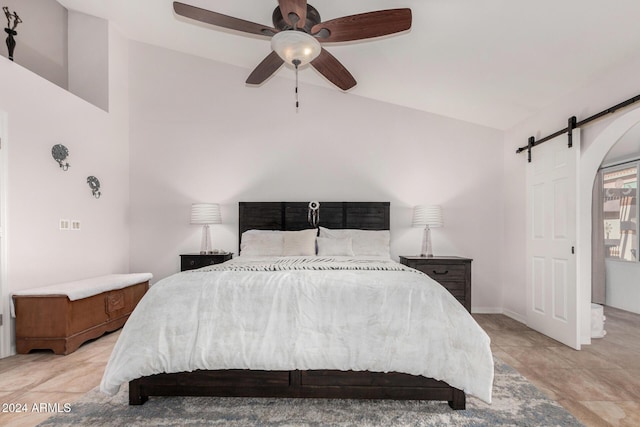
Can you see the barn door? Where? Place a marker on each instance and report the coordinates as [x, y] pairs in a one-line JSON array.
[[552, 296]]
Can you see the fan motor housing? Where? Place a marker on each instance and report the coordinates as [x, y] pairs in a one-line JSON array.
[[313, 18]]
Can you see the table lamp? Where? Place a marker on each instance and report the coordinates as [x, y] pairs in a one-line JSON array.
[[427, 216], [205, 214]]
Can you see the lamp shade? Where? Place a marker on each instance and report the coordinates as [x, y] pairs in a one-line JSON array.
[[430, 215], [293, 45], [205, 213]]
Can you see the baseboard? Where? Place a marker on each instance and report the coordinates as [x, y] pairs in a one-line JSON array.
[[7, 335], [486, 310], [496, 310], [515, 316]]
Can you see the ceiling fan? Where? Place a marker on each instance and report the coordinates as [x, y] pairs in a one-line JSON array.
[[298, 31]]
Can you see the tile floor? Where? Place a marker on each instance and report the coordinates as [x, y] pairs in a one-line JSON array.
[[600, 385], [42, 377]]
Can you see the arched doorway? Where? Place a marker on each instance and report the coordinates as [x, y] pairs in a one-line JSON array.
[[591, 159]]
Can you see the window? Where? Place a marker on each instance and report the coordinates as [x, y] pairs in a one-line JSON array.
[[620, 186]]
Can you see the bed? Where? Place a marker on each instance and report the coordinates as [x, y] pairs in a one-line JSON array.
[[303, 325]]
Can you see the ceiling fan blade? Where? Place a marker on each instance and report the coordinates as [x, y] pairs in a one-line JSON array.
[[363, 25], [299, 7], [333, 70], [265, 69], [220, 20]]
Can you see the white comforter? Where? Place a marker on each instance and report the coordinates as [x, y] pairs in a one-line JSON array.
[[303, 319]]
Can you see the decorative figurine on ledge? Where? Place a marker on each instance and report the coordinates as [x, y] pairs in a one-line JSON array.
[[11, 29]]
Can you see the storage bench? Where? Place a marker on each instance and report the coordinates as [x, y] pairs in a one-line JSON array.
[[62, 317]]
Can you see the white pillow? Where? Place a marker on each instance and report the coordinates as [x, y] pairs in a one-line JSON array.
[[262, 243], [301, 242], [364, 242], [335, 247], [278, 243]]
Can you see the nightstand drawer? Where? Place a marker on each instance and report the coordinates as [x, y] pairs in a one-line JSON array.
[[457, 285], [458, 293], [194, 261], [442, 272], [191, 263], [453, 273]]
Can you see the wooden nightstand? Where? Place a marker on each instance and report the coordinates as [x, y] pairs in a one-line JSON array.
[[193, 261], [454, 273]]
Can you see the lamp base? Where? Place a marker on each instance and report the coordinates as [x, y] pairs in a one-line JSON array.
[[427, 249], [205, 246]]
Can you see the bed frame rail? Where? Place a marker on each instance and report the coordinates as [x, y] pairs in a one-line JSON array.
[[329, 384]]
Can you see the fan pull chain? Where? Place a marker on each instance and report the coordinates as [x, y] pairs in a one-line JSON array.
[[296, 62]]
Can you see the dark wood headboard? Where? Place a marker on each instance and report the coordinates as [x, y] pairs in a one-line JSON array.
[[291, 216]]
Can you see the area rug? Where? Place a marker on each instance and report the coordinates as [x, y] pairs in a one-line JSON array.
[[516, 402]]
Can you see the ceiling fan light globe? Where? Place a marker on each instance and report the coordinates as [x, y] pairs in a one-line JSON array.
[[293, 45]]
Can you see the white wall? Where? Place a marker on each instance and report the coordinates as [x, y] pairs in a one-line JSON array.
[[623, 286], [198, 134], [39, 194], [607, 90], [89, 58], [41, 43]]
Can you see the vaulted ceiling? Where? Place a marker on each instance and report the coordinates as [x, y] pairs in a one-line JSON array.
[[490, 62]]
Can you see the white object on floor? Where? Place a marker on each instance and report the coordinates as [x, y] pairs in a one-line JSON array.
[[597, 321]]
